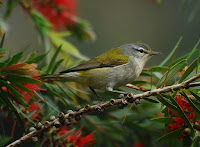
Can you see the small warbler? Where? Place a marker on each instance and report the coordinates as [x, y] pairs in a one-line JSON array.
[[110, 70]]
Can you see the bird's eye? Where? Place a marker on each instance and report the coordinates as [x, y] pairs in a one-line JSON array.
[[141, 51]]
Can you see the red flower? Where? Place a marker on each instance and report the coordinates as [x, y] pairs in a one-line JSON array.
[[85, 141], [77, 138], [177, 121], [29, 95], [61, 13], [34, 106]]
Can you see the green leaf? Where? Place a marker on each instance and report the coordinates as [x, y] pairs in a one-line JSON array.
[[20, 86], [15, 59], [181, 113], [170, 136], [166, 102], [192, 66], [191, 103], [145, 73], [194, 48], [47, 102], [21, 79], [158, 68], [16, 94], [139, 82], [150, 100], [195, 95], [36, 59], [172, 52], [2, 40], [53, 60], [40, 21], [10, 6], [67, 47], [57, 64], [32, 55], [162, 119], [174, 69], [189, 55]]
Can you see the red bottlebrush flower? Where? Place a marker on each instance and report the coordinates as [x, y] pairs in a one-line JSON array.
[[29, 95], [76, 138], [34, 106], [61, 13], [85, 141], [177, 121]]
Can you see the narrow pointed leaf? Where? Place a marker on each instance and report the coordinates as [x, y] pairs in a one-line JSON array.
[[191, 103], [181, 113], [145, 73], [16, 94], [192, 66], [21, 79], [57, 64], [189, 55], [195, 47], [170, 136], [46, 102], [53, 60], [2, 40], [158, 68], [172, 52], [51, 90], [37, 59], [162, 119], [186, 57], [166, 102], [174, 69], [139, 82], [195, 95], [15, 58], [150, 100], [20, 86]]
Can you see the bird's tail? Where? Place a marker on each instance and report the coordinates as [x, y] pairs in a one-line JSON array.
[[51, 78], [60, 77]]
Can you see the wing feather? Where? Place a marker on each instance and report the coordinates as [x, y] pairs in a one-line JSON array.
[[111, 58]]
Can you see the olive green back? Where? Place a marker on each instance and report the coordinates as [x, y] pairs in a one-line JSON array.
[[111, 58]]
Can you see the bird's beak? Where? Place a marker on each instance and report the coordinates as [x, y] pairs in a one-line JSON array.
[[151, 53]]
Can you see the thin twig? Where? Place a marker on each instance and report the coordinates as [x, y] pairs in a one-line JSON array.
[[130, 98]]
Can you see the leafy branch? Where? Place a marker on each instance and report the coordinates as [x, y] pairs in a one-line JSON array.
[[122, 101]]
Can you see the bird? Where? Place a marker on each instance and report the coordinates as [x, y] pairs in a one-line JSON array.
[[110, 70]]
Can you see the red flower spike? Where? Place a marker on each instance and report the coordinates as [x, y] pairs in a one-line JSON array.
[[85, 141], [61, 13], [178, 122], [34, 106]]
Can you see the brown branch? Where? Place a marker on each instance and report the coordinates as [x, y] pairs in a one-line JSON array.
[[121, 102]]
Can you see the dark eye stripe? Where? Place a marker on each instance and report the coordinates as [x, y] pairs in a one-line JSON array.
[[142, 51]]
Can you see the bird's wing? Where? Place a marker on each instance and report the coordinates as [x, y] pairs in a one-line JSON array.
[[111, 58]]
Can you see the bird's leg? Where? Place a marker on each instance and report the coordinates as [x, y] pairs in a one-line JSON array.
[[116, 91], [95, 93]]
